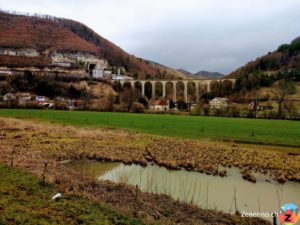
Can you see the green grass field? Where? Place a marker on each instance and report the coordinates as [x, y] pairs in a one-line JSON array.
[[276, 132], [25, 201]]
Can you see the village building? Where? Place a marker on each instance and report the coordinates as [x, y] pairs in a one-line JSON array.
[[9, 97], [254, 106], [219, 103], [24, 98], [6, 72], [102, 73], [162, 105], [40, 99]]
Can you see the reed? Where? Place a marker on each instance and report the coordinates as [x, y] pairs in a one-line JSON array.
[[13, 152], [44, 173]]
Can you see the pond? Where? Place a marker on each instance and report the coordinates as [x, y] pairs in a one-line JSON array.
[[206, 191]]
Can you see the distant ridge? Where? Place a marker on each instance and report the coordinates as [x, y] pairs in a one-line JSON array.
[[185, 72], [202, 74], [209, 75]]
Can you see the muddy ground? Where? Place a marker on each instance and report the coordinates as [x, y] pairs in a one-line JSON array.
[[30, 145]]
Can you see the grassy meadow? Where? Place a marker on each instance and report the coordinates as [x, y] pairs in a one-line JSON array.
[[24, 200], [271, 132]]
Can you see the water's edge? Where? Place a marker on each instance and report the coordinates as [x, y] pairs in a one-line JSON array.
[[205, 191]]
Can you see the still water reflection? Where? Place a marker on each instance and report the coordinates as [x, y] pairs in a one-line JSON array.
[[206, 191]]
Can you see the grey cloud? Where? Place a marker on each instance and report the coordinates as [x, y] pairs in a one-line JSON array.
[[213, 35]]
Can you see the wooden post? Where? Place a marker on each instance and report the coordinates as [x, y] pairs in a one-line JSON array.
[[44, 173], [136, 203]]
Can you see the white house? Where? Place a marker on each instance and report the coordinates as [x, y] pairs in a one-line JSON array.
[[118, 76], [162, 105], [9, 97], [40, 98], [98, 73], [8, 72], [219, 103]]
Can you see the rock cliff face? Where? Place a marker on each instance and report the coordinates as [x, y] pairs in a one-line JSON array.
[[60, 59], [85, 59], [19, 52]]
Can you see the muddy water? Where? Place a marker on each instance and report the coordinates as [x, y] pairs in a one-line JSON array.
[[206, 191]]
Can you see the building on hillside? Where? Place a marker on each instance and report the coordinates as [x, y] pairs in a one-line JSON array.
[[219, 103], [118, 76], [162, 105], [121, 77], [93, 65], [107, 74], [98, 73]]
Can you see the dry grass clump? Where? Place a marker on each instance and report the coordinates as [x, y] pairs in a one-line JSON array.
[[207, 158]]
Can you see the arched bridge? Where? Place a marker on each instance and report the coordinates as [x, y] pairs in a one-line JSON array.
[[196, 82]]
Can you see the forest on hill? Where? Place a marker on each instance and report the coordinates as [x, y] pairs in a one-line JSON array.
[[264, 72], [47, 34], [286, 57]]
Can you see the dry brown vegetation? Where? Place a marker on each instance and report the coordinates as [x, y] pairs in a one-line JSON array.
[[29, 145], [207, 157], [64, 142], [41, 34], [16, 61]]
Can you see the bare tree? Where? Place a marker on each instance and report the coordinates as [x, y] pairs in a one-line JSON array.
[[286, 86], [110, 102], [127, 98], [289, 105]]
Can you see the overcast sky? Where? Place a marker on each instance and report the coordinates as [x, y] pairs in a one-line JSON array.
[[213, 35]]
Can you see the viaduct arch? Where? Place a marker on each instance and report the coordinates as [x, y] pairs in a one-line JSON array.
[[197, 84]]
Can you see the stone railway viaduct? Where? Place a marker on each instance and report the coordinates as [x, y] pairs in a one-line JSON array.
[[197, 82]]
